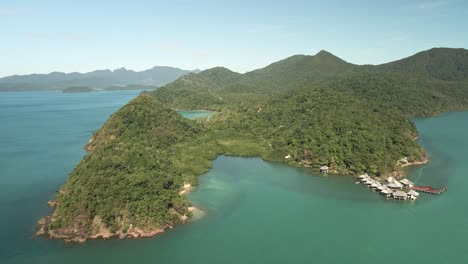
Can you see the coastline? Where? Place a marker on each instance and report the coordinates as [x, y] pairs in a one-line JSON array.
[[418, 162], [127, 230], [70, 236], [101, 231]]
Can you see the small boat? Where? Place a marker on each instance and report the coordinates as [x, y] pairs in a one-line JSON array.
[[357, 182]]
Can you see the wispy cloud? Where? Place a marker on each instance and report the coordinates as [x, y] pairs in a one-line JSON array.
[[199, 53], [177, 48], [260, 29], [169, 47], [13, 11], [396, 37], [55, 36], [434, 4]]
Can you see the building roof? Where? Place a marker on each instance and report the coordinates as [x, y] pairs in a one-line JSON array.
[[413, 193], [390, 179], [324, 167], [391, 185], [407, 182], [400, 193], [397, 183]]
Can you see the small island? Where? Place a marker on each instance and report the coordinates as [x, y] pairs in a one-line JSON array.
[[131, 87], [78, 89]]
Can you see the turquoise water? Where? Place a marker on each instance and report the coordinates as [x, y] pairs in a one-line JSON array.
[[193, 114], [41, 140], [256, 212]]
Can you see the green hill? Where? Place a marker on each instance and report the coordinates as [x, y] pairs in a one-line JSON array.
[[305, 111], [128, 177], [439, 63], [216, 87], [208, 90], [301, 69]]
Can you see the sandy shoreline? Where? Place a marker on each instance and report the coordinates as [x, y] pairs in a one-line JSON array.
[[419, 162], [186, 188]]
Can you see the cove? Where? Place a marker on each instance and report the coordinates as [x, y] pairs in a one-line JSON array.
[[194, 114], [256, 211]]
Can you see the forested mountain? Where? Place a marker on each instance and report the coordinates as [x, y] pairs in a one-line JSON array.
[[157, 76], [305, 111], [439, 63], [217, 86], [301, 69], [214, 88], [211, 79], [279, 76]]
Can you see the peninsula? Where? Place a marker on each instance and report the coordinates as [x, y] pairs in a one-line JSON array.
[[307, 111]]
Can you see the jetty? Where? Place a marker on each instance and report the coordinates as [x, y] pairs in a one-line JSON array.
[[428, 189], [395, 189]]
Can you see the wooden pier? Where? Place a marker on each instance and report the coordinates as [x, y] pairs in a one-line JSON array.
[[396, 189], [428, 189]]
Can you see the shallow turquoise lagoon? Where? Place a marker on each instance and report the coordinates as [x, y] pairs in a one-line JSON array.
[[194, 114]]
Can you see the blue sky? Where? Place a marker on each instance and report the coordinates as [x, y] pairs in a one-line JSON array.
[[46, 36]]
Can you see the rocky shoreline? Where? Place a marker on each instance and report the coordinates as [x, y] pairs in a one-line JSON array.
[[70, 235], [101, 231]]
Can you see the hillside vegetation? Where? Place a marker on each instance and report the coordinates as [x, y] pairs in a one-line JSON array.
[[129, 176], [305, 111], [439, 63]]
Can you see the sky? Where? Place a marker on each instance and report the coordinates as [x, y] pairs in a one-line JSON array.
[[81, 36]]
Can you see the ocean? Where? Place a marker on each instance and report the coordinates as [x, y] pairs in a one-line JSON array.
[[256, 211]]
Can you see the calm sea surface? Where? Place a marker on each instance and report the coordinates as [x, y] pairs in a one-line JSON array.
[[256, 212]]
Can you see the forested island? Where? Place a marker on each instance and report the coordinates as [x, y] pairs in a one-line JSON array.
[[78, 89], [130, 87], [85, 89], [305, 111]]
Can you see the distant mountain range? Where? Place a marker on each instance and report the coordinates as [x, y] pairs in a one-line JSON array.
[[438, 63], [100, 79]]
